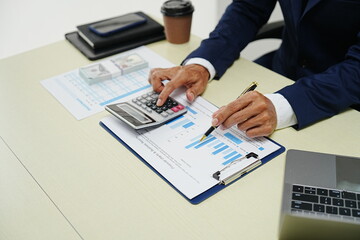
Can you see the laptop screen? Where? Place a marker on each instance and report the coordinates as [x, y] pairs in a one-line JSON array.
[[348, 173]]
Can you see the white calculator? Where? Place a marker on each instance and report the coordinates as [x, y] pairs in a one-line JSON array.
[[142, 112]]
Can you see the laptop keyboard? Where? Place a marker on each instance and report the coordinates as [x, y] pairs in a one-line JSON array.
[[325, 202]]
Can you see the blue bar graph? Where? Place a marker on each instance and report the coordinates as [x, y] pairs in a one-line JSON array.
[[174, 120], [191, 110], [192, 144], [197, 137], [189, 124], [230, 155], [232, 138], [219, 145], [227, 151], [214, 143], [179, 124], [205, 142], [232, 159], [220, 150]]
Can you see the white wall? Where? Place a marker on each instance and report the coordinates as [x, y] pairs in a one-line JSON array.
[[25, 25]]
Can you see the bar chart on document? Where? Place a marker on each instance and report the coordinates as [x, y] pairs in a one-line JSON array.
[[174, 149], [222, 148], [182, 135], [83, 100]]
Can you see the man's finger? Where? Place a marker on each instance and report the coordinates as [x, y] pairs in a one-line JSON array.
[[195, 90], [259, 131], [232, 108], [156, 76], [217, 111], [190, 95], [167, 90], [249, 114]]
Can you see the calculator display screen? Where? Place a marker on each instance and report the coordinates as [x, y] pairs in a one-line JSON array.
[[134, 113]]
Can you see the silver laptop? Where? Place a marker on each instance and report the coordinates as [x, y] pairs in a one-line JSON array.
[[321, 197]]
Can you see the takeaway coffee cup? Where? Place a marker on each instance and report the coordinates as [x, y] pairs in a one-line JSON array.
[[177, 20]]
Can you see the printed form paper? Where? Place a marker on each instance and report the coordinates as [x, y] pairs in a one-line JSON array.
[[83, 100], [175, 151]]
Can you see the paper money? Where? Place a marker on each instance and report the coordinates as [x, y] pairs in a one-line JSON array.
[[130, 63], [99, 72], [112, 68]]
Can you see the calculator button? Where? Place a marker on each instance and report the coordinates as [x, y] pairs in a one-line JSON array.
[[180, 107], [175, 109], [169, 112], [143, 106], [143, 100], [158, 110], [164, 114], [138, 103], [148, 109]]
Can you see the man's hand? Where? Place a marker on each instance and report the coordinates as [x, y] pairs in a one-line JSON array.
[[194, 77], [253, 113]]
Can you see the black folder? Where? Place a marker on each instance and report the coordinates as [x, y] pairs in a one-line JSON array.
[[92, 54], [102, 47]]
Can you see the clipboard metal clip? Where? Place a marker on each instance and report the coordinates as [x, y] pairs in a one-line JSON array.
[[228, 179]]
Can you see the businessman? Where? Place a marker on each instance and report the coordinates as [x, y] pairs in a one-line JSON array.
[[320, 51]]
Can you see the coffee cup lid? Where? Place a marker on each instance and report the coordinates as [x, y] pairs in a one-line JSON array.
[[176, 8]]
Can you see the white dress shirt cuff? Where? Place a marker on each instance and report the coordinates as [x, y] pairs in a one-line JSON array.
[[203, 62], [284, 112]]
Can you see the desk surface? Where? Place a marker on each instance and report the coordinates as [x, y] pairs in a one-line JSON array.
[[66, 179]]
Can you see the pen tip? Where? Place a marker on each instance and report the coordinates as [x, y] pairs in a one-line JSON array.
[[203, 137]]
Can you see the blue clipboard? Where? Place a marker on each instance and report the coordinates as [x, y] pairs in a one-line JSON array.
[[211, 191]]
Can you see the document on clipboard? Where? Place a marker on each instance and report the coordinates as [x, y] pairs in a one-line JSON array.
[[195, 169]]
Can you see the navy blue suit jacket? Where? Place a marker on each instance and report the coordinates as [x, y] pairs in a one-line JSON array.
[[320, 51]]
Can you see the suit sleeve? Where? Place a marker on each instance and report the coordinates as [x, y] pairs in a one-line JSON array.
[[237, 27], [323, 95]]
